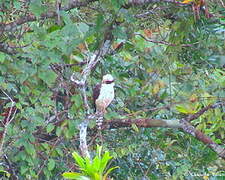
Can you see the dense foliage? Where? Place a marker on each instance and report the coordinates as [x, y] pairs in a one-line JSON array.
[[168, 63]]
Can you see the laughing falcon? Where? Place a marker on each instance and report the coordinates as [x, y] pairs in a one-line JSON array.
[[103, 94]]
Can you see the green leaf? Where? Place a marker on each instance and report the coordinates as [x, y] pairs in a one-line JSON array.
[[59, 151], [66, 18], [105, 160], [135, 128], [182, 109], [77, 99], [58, 131], [2, 57], [79, 160], [37, 8], [120, 32], [30, 149], [83, 28], [96, 163], [47, 76], [109, 171], [4, 174], [51, 164], [74, 175], [23, 169], [50, 127]]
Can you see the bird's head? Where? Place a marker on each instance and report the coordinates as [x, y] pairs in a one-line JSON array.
[[108, 79]]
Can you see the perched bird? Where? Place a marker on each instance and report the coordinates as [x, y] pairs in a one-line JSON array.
[[103, 94]]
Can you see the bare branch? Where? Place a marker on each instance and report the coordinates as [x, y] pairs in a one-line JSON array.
[[182, 124], [203, 110], [9, 119], [165, 42], [188, 128]]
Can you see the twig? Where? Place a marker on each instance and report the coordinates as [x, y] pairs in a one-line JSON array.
[[9, 119], [203, 110], [222, 3], [11, 169], [152, 11], [52, 149], [165, 42]]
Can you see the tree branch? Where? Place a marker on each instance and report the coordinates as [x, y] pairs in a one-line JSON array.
[[188, 128], [165, 42], [203, 110], [142, 122], [182, 124], [10, 117]]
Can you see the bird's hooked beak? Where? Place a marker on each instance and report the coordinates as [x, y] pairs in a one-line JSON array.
[[109, 82]]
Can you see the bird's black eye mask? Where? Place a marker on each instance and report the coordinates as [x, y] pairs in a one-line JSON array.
[[109, 82]]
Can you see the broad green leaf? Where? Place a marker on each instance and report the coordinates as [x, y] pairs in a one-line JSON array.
[[59, 151], [135, 128], [72, 175], [79, 160], [66, 18], [4, 174], [50, 127], [105, 160], [83, 28], [30, 149], [24, 169], [109, 171], [47, 76], [2, 57], [58, 131], [37, 8], [51, 164], [186, 109], [77, 99], [96, 163]]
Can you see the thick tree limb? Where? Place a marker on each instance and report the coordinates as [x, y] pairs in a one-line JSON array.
[[188, 128], [182, 124], [142, 122]]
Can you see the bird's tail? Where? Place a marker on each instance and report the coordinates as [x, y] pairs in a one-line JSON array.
[[99, 121]]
